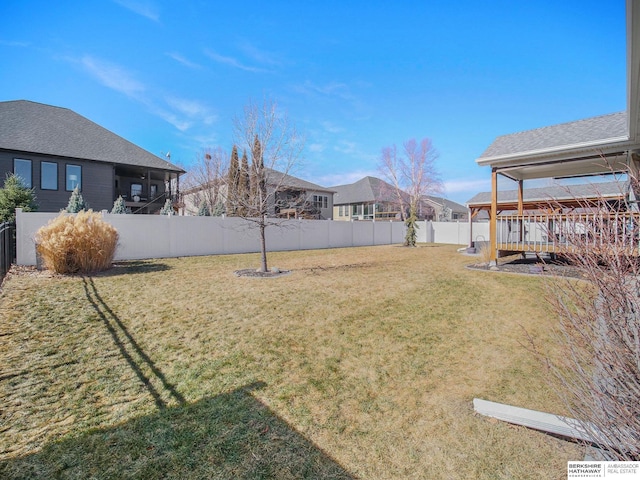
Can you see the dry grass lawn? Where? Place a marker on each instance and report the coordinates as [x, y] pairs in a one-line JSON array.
[[362, 363]]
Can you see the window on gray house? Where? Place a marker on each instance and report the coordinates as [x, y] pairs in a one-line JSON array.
[[48, 176], [22, 169], [73, 175], [320, 201]]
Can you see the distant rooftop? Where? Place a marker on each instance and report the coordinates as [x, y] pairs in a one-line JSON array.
[[453, 206], [367, 189], [558, 192], [285, 180]]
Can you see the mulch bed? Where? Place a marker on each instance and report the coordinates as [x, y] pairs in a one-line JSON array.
[[530, 266], [251, 272]]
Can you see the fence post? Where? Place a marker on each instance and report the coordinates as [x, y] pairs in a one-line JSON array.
[[7, 247]]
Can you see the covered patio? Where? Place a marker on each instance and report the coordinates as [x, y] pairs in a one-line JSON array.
[[597, 146], [541, 222]]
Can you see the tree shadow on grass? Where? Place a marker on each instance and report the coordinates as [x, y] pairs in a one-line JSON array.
[[130, 267], [129, 348], [232, 435]]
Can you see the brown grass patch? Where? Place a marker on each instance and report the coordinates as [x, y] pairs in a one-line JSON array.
[[368, 361]]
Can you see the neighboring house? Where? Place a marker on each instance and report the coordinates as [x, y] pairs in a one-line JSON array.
[[594, 146], [367, 199], [292, 197], [372, 198], [298, 198], [445, 210], [193, 197], [54, 150]]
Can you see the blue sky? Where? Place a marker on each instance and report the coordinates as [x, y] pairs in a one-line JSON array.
[[354, 76]]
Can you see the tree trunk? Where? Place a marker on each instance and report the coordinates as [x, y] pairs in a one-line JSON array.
[[263, 247]]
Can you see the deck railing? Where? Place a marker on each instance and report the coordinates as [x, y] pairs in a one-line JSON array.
[[557, 233]]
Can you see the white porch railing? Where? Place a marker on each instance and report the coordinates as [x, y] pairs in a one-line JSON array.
[[567, 232]]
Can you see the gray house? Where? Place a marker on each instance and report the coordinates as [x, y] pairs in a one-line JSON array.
[[371, 198], [299, 198], [445, 210], [54, 150], [289, 197]]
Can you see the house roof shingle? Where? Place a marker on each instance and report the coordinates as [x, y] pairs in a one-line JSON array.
[[367, 189], [453, 206], [589, 131], [275, 177], [27, 126]]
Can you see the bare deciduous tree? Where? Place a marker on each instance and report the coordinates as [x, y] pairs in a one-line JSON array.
[[276, 148], [598, 373], [204, 183], [413, 175]]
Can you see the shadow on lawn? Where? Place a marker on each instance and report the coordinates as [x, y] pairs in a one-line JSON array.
[[130, 267], [129, 348], [232, 435]]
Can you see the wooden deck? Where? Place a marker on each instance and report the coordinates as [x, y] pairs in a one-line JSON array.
[[567, 233]]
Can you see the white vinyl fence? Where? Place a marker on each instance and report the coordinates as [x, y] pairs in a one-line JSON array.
[[456, 233], [161, 236]]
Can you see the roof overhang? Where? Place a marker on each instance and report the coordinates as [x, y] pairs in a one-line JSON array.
[[592, 163], [596, 158]]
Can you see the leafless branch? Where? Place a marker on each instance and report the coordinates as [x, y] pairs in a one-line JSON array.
[[598, 371], [276, 149]]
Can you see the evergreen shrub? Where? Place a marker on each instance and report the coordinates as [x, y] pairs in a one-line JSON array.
[[167, 209], [15, 195], [76, 202], [203, 211], [119, 206]]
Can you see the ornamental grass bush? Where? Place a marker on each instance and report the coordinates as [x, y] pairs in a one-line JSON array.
[[80, 243]]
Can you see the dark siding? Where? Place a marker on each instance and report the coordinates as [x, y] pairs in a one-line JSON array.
[[97, 181]]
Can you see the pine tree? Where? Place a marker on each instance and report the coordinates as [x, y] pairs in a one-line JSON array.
[[76, 202], [233, 179], [15, 195], [244, 184], [218, 210], [167, 209], [203, 210], [411, 236], [119, 207]]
